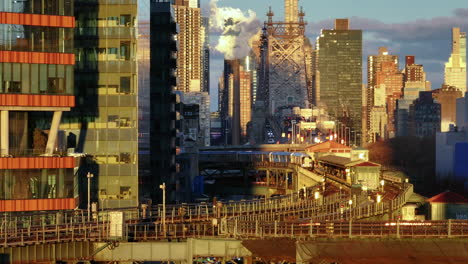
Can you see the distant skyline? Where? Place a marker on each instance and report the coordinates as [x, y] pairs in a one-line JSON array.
[[419, 27]]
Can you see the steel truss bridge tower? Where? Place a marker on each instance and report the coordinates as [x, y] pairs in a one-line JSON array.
[[285, 67]]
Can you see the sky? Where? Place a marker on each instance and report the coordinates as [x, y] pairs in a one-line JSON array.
[[407, 27]]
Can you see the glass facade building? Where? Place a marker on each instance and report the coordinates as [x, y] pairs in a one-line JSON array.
[[339, 67], [36, 88], [104, 124]]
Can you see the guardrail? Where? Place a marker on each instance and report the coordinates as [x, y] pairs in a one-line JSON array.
[[102, 232]]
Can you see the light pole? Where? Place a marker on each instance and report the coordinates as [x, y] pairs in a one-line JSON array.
[[382, 183], [89, 176], [163, 187]]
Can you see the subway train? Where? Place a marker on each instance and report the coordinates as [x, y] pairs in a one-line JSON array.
[[299, 158]]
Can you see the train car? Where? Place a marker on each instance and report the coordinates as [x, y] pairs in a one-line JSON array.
[[280, 157]]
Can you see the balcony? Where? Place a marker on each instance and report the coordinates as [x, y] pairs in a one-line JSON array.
[[109, 32], [35, 159], [37, 100]]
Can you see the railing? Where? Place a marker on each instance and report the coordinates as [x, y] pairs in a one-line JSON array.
[[100, 232], [32, 153], [350, 229]]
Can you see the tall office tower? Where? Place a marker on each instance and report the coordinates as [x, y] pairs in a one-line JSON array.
[[447, 97], [455, 68], [283, 64], [104, 124], [236, 106], [205, 54], [163, 63], [424, 116], [245, 99], [36, 88], [383, 75], [189, 38], [338, 83], [291, 11], [144, 117]]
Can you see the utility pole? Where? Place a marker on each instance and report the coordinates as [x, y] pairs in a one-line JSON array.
[[89, 176], [163, 187]]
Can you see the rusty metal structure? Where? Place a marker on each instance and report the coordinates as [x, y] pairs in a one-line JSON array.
[[285, 62]]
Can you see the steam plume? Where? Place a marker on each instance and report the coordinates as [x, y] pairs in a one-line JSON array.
[[237, 29]]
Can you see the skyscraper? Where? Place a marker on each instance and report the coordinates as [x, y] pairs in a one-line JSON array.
[[291, 11], [455, 68], [447, 97], [163, 101], [36, 88], [206, 55], [384, 81], [189, 38], [104, 124], [414, 83], [338, 81], [424, 116], [236, 106]]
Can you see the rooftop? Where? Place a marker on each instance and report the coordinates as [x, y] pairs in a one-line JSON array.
[[448, 197]]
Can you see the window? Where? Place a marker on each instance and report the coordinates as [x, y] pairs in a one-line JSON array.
[[125, 50], [125, 157], [125, 86], [125, 20], [11, 87], [55, 85]]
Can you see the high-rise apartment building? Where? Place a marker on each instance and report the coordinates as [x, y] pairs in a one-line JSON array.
[[189, 38], [455, 68], [104, 125], [384, 81], [447, 98], [163, 101], [205, 54], [414, 83], [338, 76], [36, 88], [236, 100], [291, 11], [424, 116]]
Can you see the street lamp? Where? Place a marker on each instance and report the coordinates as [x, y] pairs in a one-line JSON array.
[[163, 187], [382, 183], [89, 176]]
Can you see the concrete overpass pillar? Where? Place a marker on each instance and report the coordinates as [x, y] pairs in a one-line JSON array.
[[53, 133], [5, 138]]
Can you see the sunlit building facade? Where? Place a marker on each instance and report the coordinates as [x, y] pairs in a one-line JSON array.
[[189, 38], [384, 80], [104, 125], [339, 74], [36, 88], [455, 68], [447, 97]]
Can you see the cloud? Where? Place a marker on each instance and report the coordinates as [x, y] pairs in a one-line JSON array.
[[236, 29], [428, 39]]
